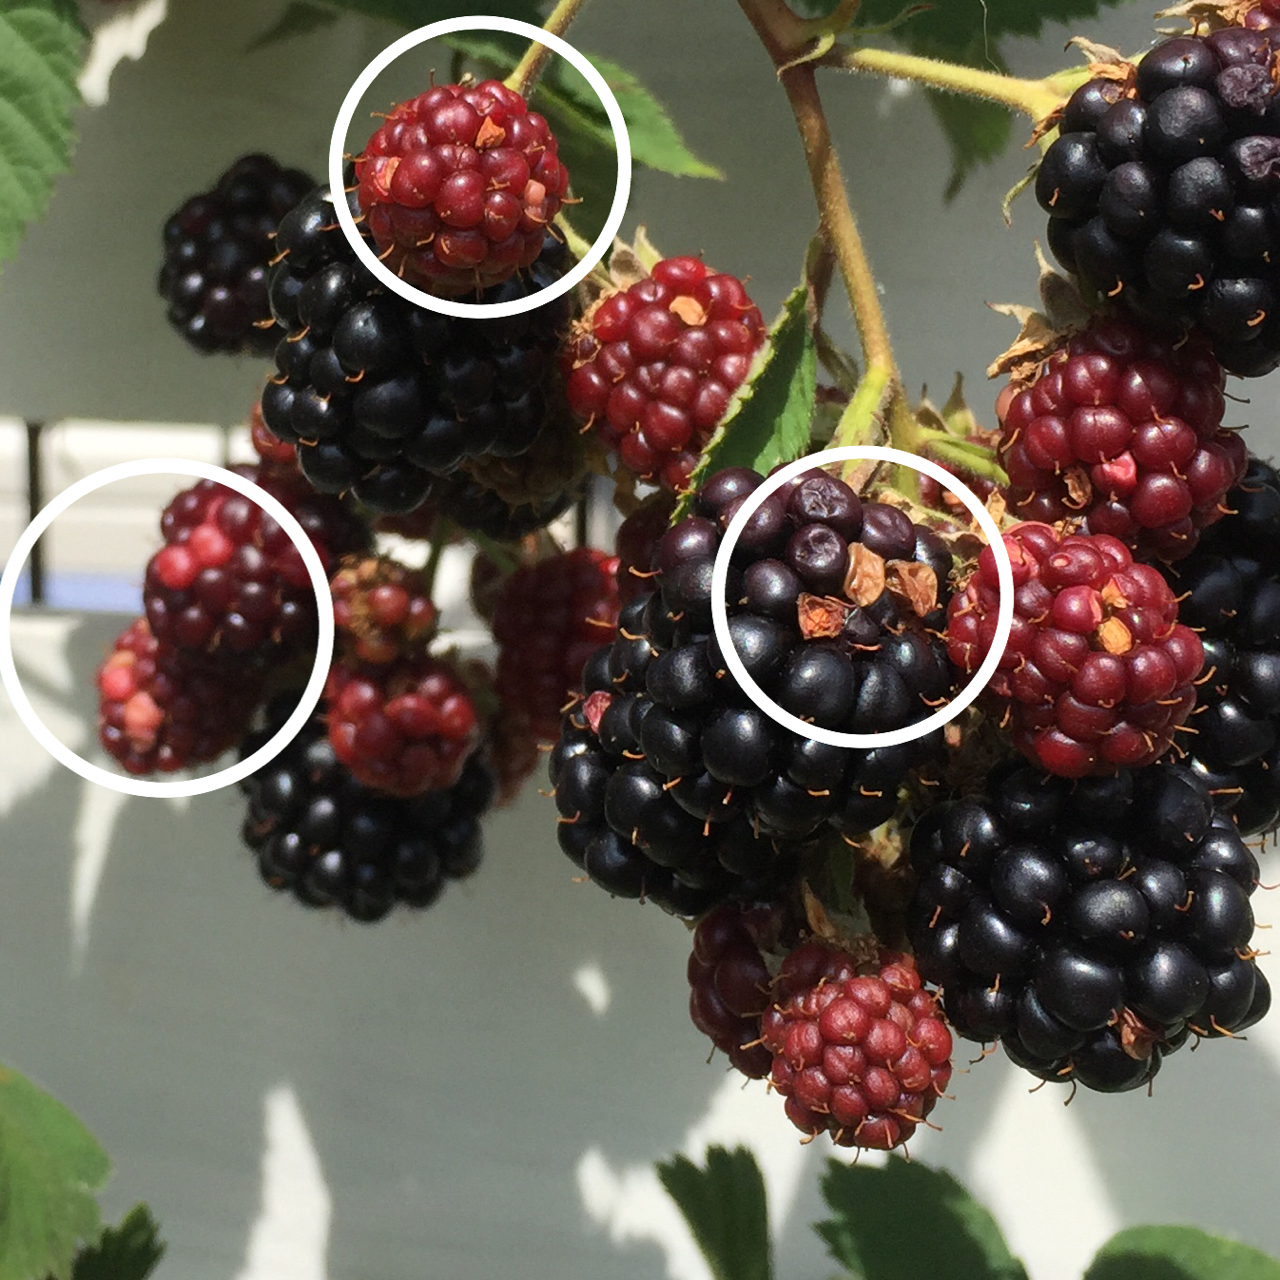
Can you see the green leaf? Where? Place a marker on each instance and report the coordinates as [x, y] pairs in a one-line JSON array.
[[50, 1166], [1178, 1253], [127, 1252], [726, 1209], [770, 418], [41, 43], [906, 1221], [300, 18]]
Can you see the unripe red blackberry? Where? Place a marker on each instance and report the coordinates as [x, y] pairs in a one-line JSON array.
[[382, 610], [1098, 672], [1091, 926], [1122, 430], [860, 1051], [403, 727], [1229, 590], [323, 837], [729, 989], [229, 582], [459, 185], [1159, 191], [217, 253], [162, 708], [548, 620], [654, 367]]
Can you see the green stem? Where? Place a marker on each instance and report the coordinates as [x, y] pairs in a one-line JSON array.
[[530, 68], [440, 536], [502, 556], [579, 245], [1035, 98]]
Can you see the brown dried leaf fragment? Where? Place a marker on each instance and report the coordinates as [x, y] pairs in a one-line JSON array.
[[865, 580], [915, 583], [1114, 636], [821, 617], [1136, 1038], [1079, 488], [690, 310], [1037, 340]]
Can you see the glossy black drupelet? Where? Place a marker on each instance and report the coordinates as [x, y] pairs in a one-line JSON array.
[[332, 842], [380, 395], [217, 253], [1164, 200], [668, 762], [1089, 926], [1229, 590]]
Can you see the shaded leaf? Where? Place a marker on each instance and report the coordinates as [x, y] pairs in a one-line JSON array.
[[769, 420], [412, 14], [41, 47], [905, 1221], [726, 1209], [1178, 1253], [127, 1252], [50, 1167], [300, 18]]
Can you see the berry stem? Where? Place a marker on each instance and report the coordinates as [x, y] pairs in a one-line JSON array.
[[495, 551], [440, 539], [1035, 98], [530, 68], [838, 222]]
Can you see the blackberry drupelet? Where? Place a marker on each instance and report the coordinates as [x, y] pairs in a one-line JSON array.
[[1090, 926], [332, 842], [1161, 195], [1229, 591], [217, 253], [380, 395]]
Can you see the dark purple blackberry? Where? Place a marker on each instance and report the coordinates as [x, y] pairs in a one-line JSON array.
[[1229, 591], [332, 842], [1090, 926], [725, 778], [1162, 198], [217, 255], [381, 395]]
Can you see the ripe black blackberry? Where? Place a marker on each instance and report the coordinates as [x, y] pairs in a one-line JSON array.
[[1090, 926], [381, 395], [1229, 590], [624, 827], [217, 252], [1161, 197], [668, 762], [331, 842], [836, 608]]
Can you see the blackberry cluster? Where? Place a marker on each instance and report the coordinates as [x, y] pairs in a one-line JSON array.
[[1229, 591], [229, 581], [1098, 672], [1122, 431], [459, 184], [1090, 926], [217, 251], [381, 609], [332, 842], [654, 367], [834, 608], [1161, 197], [380, 395], [859, 1048]]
